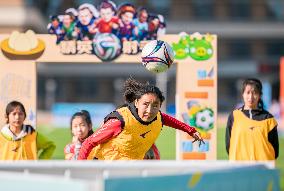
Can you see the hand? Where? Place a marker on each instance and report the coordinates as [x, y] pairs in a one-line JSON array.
[[75, 139], [197, 137], [92, 29], [115, 26]]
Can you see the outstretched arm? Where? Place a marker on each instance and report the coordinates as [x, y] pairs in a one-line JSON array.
[[107, 131], [174, 123]]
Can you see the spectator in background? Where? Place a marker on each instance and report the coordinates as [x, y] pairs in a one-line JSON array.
[[81, 128], [251, 132], [19, 141]]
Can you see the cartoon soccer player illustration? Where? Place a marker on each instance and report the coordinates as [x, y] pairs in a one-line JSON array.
[[86, 19], [126, 13], [153, 27], [68, 27], [141, 25], [55, 27], [156, 26], [108, 22]]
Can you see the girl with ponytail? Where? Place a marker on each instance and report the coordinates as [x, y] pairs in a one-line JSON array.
[[129, 132]]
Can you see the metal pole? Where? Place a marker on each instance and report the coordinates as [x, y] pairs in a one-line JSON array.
[[161, 83]]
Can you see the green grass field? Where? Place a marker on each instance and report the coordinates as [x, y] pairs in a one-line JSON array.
[[165, 143]]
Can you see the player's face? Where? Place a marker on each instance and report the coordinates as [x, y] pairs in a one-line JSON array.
[[80, 127], [251, 97], [143, 17], [55, 23], [85, 16], [127, 17], [16, 117], [106, 14], [67, 20], [148, 107]]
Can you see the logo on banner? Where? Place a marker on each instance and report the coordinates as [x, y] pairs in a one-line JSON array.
[[196, 46], [22, 46]]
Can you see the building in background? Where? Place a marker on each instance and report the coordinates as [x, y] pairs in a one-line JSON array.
[[250, 44]]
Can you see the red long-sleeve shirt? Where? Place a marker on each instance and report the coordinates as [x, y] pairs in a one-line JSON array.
[[112, 128]]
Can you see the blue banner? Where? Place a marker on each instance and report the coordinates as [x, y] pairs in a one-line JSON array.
[[237, 179]]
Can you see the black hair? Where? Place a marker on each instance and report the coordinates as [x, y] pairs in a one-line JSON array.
[[135, 90], [86, 116], [54, 17], [11, 106], [257, 85]]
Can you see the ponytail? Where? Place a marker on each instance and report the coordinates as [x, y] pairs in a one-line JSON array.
[[260, 104], [135, 90]]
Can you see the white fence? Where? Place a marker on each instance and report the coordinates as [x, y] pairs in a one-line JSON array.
[[92, 175]]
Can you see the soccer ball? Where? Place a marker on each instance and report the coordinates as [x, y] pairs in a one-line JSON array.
[[205, 119], [106, 46], [157, 56]]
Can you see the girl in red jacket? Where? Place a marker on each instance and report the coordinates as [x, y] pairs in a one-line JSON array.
[[81, 128], [131, 130]]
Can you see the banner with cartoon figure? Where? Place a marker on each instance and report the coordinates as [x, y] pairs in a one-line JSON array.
[[106, 31], [196, 96]]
